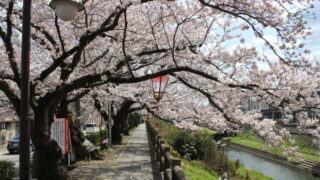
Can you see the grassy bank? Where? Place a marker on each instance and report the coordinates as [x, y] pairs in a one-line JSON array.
[[206, 161], [243, 172], [197, 170], [305, 147]]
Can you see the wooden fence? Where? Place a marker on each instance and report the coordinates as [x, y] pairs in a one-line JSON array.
[[169, 166]]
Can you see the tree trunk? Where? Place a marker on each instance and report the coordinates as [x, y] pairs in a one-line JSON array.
[[82, 147], [48, 161], [120, 121], [116, 132]]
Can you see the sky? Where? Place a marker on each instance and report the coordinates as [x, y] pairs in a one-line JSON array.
[[313, 42]]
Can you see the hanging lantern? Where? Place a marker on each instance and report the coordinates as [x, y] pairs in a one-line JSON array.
[[159, 85], [66, 9]]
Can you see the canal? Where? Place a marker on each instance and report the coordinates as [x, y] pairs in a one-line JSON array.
[[268, 167]]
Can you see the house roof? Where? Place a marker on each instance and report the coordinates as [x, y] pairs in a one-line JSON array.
[[8, 115]]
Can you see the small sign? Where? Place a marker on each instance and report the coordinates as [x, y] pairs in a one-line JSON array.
[[67, 136], [60, 132]]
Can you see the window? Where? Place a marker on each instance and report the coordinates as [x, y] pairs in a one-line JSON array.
[[8, 125], [89, 125], [17, 127], [3, 126]]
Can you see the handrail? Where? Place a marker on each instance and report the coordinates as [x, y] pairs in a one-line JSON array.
[[171, 167]]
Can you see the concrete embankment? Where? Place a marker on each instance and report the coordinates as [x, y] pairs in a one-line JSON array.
[[304, 165]]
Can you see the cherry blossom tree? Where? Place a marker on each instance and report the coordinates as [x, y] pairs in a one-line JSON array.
[[206, 47]]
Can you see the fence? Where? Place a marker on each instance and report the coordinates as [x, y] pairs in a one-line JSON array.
[[171, 167]]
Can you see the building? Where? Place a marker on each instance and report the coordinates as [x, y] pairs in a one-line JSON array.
[[267, 111], [9, 126]]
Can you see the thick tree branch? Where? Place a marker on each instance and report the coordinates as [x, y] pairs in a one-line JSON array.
[[4, 87], [126, 58], [8, 43], [78, 96], [59, 33], [109, 24], [103, 54]]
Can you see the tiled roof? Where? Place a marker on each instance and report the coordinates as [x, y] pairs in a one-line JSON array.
[[8, 115]]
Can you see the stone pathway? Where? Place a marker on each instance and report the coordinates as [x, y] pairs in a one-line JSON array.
[[133, 164]]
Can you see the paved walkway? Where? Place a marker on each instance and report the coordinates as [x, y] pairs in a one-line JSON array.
[[133, 164]]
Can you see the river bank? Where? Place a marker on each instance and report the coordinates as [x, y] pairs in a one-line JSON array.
[[303, 165], [275, 169], [201, 158]]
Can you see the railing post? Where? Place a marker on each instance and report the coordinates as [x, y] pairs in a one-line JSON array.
[[171, 167], [158, 157], [167, 160], [162, 155], [175, 162], [167, 164]]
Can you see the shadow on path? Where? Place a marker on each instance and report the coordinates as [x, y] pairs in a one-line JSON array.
[[135, 162]]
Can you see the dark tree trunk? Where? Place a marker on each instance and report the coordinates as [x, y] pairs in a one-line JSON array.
[[82, 147], [126, 126], [116, 132], [120, 121], [48, 161]]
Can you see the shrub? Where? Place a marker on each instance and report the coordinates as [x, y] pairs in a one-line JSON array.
[[96, 138], [237, 164], [187, 145], [6, 170], [192, 145], [200, 146]]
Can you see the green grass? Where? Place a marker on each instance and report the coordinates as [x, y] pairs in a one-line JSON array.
[[242, 171], [310, 157], [305, 147], [197, 170], [249, 143], [209, 131]]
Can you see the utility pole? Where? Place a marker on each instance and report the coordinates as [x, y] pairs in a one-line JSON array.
[[24, 158]]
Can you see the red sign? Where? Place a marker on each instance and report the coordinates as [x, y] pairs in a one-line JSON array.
[[67, 136], [60, 132]]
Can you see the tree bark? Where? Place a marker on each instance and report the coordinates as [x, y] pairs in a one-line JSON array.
[[48, 161], [120, 121], [82, 147]]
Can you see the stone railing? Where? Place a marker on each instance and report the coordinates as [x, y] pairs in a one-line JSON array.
[[169, 166]]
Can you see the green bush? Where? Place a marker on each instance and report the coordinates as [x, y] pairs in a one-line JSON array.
[[96, 138], [187, 145], [6, 170], [200, 146], [210, 162], [192, 145]]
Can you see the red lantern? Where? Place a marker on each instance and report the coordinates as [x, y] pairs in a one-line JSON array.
[[159, 85]]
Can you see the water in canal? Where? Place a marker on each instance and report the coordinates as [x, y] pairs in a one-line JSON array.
[[268, 167]]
